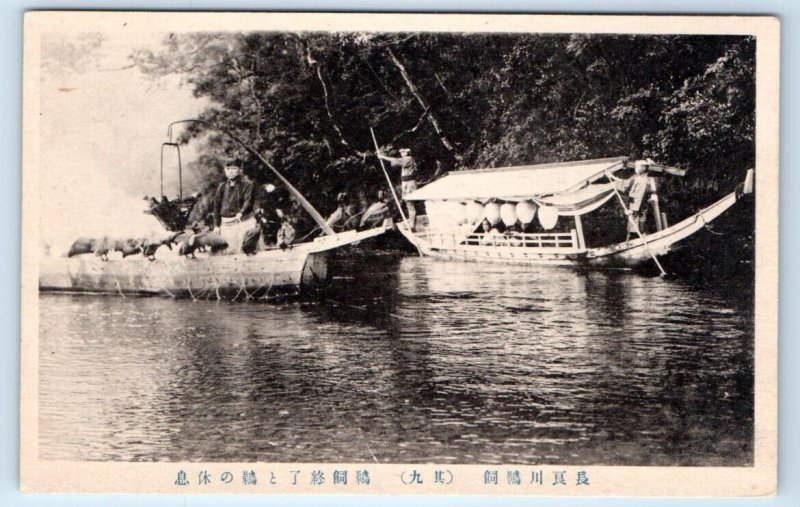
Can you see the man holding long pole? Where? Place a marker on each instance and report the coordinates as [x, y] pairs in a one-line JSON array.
[[637, 186], [408, 177]]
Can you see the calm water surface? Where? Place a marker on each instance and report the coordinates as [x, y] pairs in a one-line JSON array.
[[408, 360]]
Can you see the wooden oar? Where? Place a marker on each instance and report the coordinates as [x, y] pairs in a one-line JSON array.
[[635, 224]]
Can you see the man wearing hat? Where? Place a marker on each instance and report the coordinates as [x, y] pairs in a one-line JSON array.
[[408, 177], [233, 206], [639, 186]]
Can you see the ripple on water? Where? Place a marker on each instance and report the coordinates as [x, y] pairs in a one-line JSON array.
[[409, 360]]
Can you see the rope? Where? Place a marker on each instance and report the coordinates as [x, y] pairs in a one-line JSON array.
[[241, 283], [119, 288], [315, 229], [712, 231]]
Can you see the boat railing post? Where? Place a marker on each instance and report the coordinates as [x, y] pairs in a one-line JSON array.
[[579, 227], [657, 212]]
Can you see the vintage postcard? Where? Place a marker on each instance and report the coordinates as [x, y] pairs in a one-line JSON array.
[[283, 253]]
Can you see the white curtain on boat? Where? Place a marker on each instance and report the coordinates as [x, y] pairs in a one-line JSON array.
[[579, 202]]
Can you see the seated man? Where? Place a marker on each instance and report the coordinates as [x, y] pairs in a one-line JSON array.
[[376, 213], [512, 235], [286, 233], [339, 217], [490, 234]]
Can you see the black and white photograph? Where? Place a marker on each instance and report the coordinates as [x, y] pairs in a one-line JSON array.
[[401, 254]]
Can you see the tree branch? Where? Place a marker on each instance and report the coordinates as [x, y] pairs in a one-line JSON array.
[[312, 62], [414, 129], [414, 91]]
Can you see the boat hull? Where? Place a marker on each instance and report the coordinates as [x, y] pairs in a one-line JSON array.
[[268, 274], [500, 254], [265, 275], [642, 250], [624, 255]]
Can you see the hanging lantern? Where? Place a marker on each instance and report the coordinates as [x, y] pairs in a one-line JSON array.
[[526, 210], [548, 217], [508, 213], [474, 211], [460, 212], [492, 212], [433, 210], [465, 212], [455, 215]]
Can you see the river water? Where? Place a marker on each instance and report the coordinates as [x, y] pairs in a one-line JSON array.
[[409, 360]]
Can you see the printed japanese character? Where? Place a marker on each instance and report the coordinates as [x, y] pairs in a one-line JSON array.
[[204, 477], [181, 480], [362, 476], [340, 476], [249, 477]]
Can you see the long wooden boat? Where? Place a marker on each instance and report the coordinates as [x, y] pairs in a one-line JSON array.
[[268, 274], [566, 190]]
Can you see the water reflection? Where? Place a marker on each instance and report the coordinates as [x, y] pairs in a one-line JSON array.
[[408, 360]]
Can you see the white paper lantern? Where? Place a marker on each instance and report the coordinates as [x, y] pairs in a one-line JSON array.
[[434, 211], [460, 211], [492, 212], [465, 213], [548, 217], [508, 213], [474, 211], [526, 210], [455, 214]]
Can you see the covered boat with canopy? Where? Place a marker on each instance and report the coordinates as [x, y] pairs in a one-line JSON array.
[[533, 214]]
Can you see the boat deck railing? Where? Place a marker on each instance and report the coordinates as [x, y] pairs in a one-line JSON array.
[[565, 240]]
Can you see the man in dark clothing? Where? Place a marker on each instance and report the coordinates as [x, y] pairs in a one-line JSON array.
[[233, 206], [234, 197]]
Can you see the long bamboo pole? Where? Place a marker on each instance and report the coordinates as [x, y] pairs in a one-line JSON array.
[[391, 187], [388, 179], [635, 225], [296, 193]]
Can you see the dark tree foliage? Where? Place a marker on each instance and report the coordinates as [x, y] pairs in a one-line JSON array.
[[307, 101]]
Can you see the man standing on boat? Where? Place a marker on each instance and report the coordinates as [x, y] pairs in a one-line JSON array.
[[408, 177], [639, 187], [233, 206]]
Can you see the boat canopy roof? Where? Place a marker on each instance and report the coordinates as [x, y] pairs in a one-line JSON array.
[[517, 182]]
